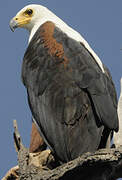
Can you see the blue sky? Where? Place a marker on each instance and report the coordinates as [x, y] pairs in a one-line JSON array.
[[100, 22]]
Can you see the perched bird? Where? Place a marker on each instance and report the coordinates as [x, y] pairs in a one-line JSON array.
[[118, 136], [70, 92]]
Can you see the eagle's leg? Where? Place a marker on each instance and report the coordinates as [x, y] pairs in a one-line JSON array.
[[36, 143]]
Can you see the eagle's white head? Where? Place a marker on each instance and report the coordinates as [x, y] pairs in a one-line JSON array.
[[32, 16], [28, 17]]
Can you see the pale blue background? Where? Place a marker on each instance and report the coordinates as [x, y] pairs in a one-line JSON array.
[[100, 22]]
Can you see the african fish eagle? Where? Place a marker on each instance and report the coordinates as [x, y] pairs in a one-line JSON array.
[[70, 92]]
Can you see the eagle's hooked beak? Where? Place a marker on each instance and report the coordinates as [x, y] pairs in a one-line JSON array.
[[13, 24]]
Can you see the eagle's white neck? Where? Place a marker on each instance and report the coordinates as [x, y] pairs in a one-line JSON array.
[[68, 30], [33, 31]]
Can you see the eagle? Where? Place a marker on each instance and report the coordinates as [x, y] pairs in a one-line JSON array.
[[70, 91]]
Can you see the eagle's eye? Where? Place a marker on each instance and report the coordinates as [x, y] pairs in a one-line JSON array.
[[29, 12]]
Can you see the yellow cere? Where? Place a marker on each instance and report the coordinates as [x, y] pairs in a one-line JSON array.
[[24, 17]]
